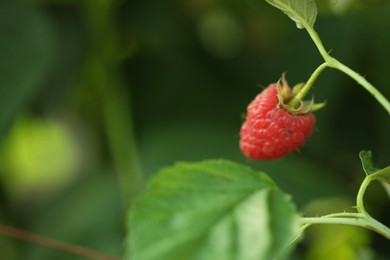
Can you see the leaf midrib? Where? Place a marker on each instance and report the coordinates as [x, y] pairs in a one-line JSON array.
[[205, 231]]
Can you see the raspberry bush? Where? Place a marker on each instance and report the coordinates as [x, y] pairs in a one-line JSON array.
[[277, 122], [281, 194]]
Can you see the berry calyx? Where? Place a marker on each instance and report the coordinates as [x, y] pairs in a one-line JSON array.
[[273, 129]]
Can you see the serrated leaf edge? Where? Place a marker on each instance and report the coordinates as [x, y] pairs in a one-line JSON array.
[[272, 188]]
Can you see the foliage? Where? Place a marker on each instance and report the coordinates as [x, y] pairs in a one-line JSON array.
[[29, 44], [212, 209], [134, 86]]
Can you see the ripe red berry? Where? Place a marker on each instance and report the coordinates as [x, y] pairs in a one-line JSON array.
[[271, 129]]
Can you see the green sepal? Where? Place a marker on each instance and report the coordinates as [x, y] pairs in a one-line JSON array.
[[286, 94]]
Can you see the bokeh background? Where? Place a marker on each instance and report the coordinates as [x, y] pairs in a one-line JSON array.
[[98, 95]]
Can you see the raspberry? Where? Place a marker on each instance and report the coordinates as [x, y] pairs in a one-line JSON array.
[[272, 129]]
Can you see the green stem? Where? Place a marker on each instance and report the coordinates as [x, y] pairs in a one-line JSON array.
[[115, 100], [333, 63], [365, 222], [317, 41], [362, 218], [362, 81], [334, 215], [345, 215], [121, 140], [302, 93], [360, 196], [344, 221]]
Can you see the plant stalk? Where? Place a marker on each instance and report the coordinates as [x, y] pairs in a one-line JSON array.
[[361, 219], [361, 81], [317, 41], [360, 196], [54, 244], [297, 99], [334, 63], [366, 222], [115, 100]]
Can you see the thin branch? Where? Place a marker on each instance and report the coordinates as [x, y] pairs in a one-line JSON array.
[[54, 244]]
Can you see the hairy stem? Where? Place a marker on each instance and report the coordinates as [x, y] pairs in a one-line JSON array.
[[365, 222], [317, 41], [333, 63], [362, 218], [341, 220], [362, 81]]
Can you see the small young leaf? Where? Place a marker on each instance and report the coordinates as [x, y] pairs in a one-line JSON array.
[[302, 12], [213, 209], [368, 165], [374, 173]]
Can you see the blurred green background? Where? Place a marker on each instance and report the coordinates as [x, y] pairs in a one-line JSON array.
[[97, 95]]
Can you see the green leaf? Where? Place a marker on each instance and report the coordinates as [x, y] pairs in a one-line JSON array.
[[213, 209], [368, 165], [302, 12], [374, 173]]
